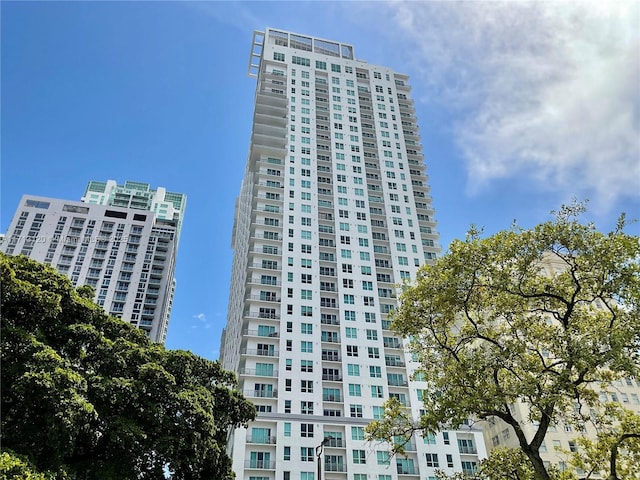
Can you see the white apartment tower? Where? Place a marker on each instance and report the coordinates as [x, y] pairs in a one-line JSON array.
[[120, 239], [334, 213]]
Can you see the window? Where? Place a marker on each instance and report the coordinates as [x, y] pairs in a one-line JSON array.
[[306, 408], [359, 457], [465, 445], [301, 61], [355, 390], [352, 351], [377, 391], [378, 412], [351, 332], [353, 370], [306, 366], [306, 347], [287, 454], [372, 335], [382, 457], [357, 433], [306, 328], [470, 468], [306, 429], [375, 372], [279, 57], [429, 438], [306, 454], [355, 411], [432, 460], [306, 386]]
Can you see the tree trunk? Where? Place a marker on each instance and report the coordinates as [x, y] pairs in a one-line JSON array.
[[537, 464]]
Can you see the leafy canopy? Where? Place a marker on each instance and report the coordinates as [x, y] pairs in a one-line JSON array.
[[543, 317], [89, 394]]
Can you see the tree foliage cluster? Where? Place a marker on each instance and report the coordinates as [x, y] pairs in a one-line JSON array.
[[543, 317], [89, 396]]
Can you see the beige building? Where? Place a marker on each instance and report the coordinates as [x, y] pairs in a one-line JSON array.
[[560, 441]]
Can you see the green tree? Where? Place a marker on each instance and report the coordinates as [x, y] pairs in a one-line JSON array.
[[542, 317], [91, 395], [17, 467]]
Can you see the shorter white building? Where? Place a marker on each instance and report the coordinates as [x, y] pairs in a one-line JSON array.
[[127, 253]]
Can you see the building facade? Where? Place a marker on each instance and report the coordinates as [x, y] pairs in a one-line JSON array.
[[121, 239], [334, 212]]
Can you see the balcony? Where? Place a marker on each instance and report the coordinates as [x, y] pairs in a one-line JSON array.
[[260, 333], [331, 358], [335, 467], [260, 393], [263, 298], [262, 315], [400, 382], [392, 362], [391, 343], [259, 352], [332, 398], [329, 321], [406, 470], [261, 439], [260, 464], [332, 377], [330, 338], [258, 372], [336, 443], [468, 450]]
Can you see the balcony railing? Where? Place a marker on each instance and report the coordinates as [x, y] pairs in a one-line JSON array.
[[397, 383], [406, 470], [336, 442], [259, 352], [468, 450], [258, 373], [332, 398], [263, 439], [335, 467], [260, 464], [331, 358], [259, 333], [261, 393], [263, 298], [394, 363]]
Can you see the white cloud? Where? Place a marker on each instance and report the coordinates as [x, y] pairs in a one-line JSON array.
[[547, 91], [200, 316]]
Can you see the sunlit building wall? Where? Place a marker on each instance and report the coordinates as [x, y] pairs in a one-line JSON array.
[[334, 212], [121, 240]]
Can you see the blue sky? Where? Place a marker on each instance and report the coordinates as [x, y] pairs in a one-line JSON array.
[[522, 106]]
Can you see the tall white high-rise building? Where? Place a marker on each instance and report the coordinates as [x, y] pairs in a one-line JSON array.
[[334, 213], [120, 239]]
